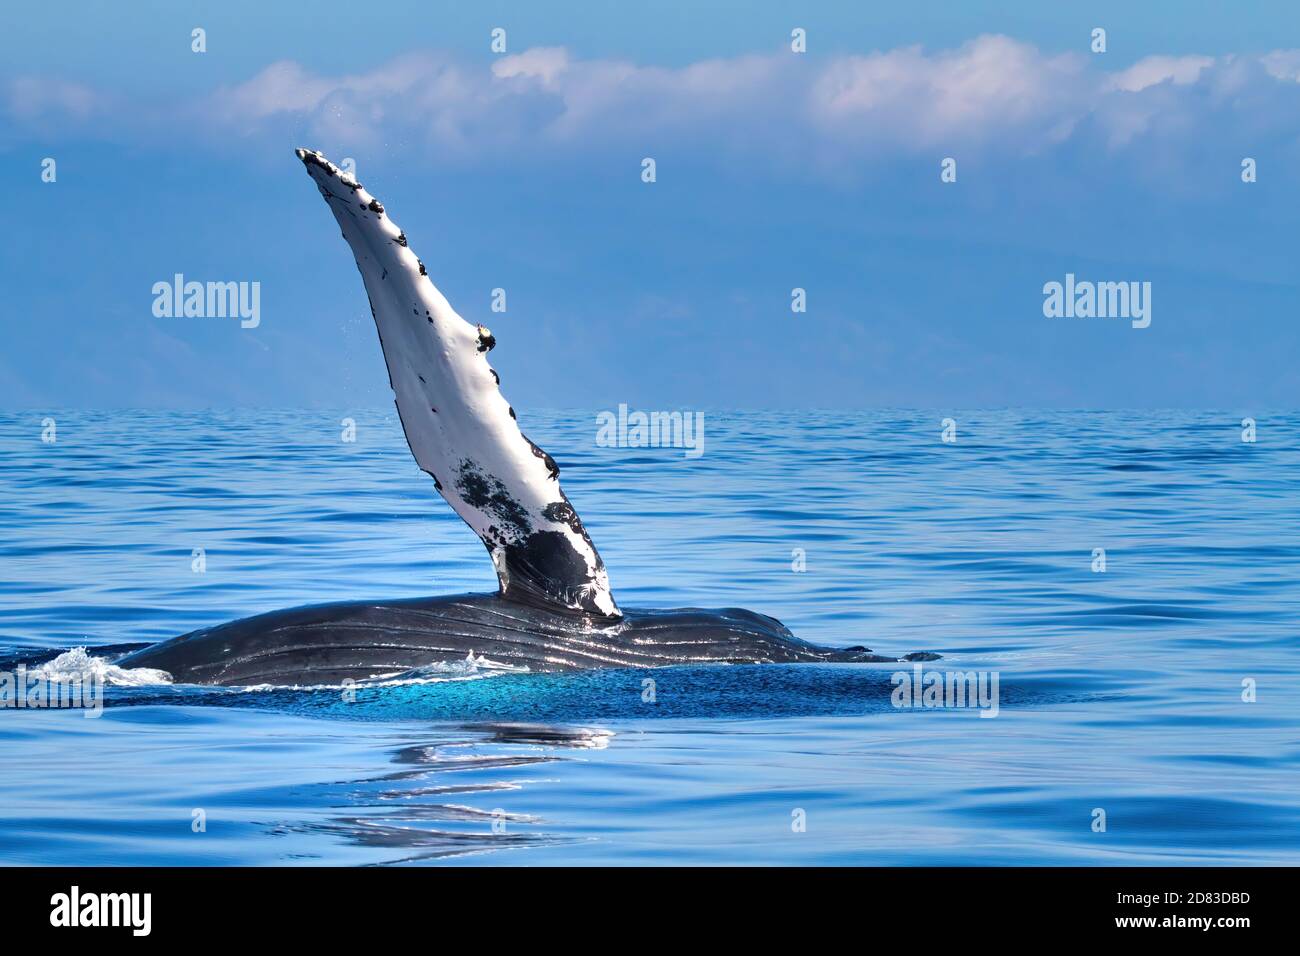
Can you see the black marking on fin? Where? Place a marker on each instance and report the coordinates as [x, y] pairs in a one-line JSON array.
[[488, 494], [551, 466]]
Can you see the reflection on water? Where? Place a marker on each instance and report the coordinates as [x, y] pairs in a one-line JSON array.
[[425, 824], [588, 738]]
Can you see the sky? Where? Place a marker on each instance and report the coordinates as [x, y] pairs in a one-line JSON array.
[[775, 170]]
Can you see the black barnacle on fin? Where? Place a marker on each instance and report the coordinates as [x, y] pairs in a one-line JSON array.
[[422, 272], [486, 340], [436, 483], [401, 239], [376, 206], [551, 466], [495, 375], [513, 415], [310, 158]]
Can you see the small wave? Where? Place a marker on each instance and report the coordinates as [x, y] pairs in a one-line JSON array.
[[78, 666]]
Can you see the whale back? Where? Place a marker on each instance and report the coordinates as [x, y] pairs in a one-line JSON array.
[[329, 643]]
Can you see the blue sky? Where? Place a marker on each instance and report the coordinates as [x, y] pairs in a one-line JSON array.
[[775, 170]]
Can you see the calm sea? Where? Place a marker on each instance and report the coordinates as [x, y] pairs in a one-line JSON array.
[[1147, 713]]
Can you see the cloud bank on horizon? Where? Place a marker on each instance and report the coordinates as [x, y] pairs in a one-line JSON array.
[[993, 92], [778, 171]]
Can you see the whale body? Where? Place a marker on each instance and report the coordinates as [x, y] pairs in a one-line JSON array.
[[554, 610], [327, 644]]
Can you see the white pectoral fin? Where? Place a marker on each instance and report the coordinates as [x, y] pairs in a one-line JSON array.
[[460, 428]]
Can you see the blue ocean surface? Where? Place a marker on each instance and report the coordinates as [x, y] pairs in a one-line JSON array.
[[1147, 713]]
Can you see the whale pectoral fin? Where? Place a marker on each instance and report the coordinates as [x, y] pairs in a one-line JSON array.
[[459, 427]]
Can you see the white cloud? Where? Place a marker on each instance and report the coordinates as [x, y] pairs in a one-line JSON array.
[[978, 92], [1179, 70], [1282, 65], [544, 62]]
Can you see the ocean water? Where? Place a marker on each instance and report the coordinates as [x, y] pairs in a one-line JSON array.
[[1120, 692]]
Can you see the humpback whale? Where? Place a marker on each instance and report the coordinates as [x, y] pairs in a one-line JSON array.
[[554, 610]]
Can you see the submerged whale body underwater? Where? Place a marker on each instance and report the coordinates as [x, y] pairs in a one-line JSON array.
[[554, 610]]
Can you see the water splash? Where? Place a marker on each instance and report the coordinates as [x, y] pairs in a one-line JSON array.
[[79, 666]]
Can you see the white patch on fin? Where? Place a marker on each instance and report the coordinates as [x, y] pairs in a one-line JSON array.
[[458, 425]]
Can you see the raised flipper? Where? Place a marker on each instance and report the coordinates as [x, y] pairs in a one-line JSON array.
[[460, 428]]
